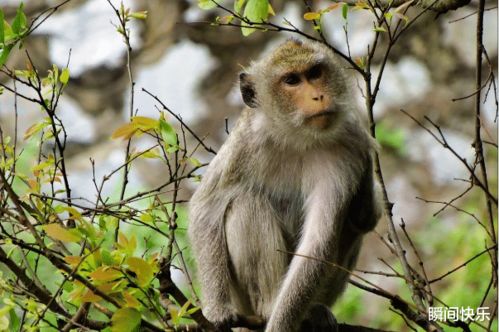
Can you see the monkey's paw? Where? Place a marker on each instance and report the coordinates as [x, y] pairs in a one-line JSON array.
[[221, 316]]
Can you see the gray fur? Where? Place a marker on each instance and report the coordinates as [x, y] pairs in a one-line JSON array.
[[280, 186]]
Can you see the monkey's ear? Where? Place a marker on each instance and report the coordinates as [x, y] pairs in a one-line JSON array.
[[248, 90]]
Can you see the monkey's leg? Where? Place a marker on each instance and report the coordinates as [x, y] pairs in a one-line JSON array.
[[320, 319], [254, 239], [207, 235]]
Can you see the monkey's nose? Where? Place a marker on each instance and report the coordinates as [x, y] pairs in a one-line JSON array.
[[319, 98]]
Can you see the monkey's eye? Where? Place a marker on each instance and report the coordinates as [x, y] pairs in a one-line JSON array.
[[291, 79], [315, 72]]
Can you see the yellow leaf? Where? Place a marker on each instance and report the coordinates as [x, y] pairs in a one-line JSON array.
[[132, 244], [361, 5], [147, 218], [142, 269], [173, 312], [75, 214], [131, 301], [77, 292], [138, 125], [89, 296], [33, 130], [145, 123], [112, 287], [151, 154], [122, 240], [33, 184], [58, 232], [125, 131], [311, 16], [105, 273], [127, 245], [333, 6], [271, 10], [73, 260]]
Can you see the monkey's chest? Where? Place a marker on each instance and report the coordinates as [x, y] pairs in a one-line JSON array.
[[288, 212]]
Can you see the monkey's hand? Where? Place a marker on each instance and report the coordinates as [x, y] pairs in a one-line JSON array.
[[222, 316], [320, 319]]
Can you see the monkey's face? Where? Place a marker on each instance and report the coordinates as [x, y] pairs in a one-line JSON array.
[[299, 85], [307, 96]]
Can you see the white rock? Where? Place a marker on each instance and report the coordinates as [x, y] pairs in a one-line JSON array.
[[175, 80], [87, 31]]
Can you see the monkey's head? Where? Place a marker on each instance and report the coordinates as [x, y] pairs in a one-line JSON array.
[[299, 86]]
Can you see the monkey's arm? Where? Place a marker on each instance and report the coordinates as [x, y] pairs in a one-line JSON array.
[[365, 208], [326, 210]]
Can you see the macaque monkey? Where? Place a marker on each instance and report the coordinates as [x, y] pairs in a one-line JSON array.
[[294, 177]]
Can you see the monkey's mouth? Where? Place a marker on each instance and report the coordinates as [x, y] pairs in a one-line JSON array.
[[321, 120], [324, 113]]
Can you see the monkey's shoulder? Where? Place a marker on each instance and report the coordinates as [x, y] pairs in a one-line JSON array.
[[231, 161]]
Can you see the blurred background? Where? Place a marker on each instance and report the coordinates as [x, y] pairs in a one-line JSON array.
[[193, 68]]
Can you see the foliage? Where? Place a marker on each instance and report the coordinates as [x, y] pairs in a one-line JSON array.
[[64, 255], [11, 34]]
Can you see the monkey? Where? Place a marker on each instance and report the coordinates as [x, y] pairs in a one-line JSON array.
[[290, 190]]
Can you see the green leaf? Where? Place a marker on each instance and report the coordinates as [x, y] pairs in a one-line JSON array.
[[167, 133], [255, 11], [172, 149], [181, 313], [64, 78], [19, 24], [194, 162], [238, 5], [147, 218], [206, 4], [14, 320], [379, 29], [4, 323], [2, 33], [193, 310], [4, 54], [106, 257], [125, 320], [142, 15], [392, 138], [7, 30], [344, 11]]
